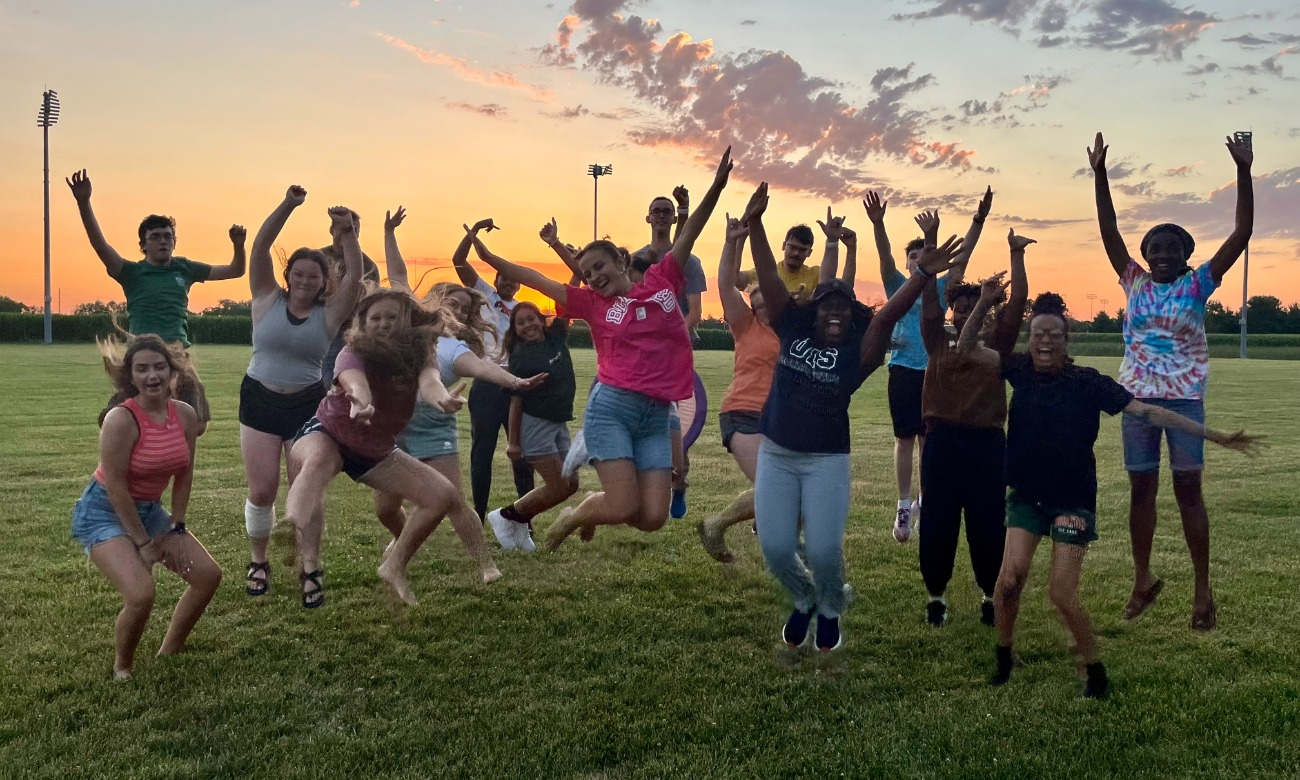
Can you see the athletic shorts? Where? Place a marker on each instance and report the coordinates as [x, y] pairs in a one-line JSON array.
[[95, 521], [905, 386], [354, 465], [737, 421], [1142, 439], [1040, 520], [279, 414], [625, 424], [540, 438], [432, 433]]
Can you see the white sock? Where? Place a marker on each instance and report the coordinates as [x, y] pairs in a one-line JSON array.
[[905, 503]]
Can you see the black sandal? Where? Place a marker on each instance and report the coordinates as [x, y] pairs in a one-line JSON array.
[[312, 599], [263, 583]]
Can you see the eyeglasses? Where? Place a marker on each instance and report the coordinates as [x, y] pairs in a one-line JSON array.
[[661, 212], [160, 237]]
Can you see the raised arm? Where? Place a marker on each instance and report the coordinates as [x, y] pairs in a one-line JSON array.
[[1232, 248], [80, 186], [238, 260], [528, 277], [683, 198], [831, 255], [474, 367], [685, 241], [991, 291], [1111, 240], [1165, 418], [341, 302], [850, 241], [261, 268], [775, 296], [460, 258], [398, 277], [934, 261], [1012, 315], [734, 307], [932, 330], [550, 233], [876, 213], [958, 273]]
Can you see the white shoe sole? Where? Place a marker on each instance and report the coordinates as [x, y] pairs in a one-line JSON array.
[[576, 457], [501, 529]]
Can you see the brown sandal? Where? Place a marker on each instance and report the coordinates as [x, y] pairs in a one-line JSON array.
[[1140, 602]]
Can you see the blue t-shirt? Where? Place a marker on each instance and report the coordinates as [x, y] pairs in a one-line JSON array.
[[808, 408], [906, 346]]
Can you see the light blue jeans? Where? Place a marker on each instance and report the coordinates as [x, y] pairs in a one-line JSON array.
[[788, 485]]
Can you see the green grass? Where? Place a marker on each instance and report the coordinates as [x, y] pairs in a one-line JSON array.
[[635, 656]]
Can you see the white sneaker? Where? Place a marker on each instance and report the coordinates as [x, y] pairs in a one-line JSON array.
[[903, 524], [501, 529], [916, 514], [523, 536], [577, 456]]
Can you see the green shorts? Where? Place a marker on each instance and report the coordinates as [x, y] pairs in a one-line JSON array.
[[1041, 520]]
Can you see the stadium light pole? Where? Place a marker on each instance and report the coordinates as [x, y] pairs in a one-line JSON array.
[[595, 172], [48, 115], [1091, 314], [1245, 137]]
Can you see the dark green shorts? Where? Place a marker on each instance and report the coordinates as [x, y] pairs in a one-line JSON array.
[[1078, 526]]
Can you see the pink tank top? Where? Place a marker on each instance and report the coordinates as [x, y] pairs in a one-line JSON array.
[[160, 453]]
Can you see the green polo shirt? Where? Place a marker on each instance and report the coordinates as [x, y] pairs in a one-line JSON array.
[[158, 297]]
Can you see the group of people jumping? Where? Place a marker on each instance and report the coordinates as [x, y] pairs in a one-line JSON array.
[[350, 376]]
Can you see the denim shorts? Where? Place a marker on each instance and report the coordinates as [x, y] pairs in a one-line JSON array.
[[539, 438], [1142, 439], [95, 521], [624, 424]]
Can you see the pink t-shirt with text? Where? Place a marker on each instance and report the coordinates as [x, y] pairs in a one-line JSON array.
[[640, 338]]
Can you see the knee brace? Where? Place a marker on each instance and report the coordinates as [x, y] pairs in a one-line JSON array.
[[259, 520]]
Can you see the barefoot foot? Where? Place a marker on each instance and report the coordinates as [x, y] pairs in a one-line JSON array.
[[393, 574]]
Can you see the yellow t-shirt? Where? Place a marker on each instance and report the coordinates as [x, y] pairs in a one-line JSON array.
[[805, 277]]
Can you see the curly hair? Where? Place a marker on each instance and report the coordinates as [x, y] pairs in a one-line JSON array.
[[470, 327], [1051, 304], [119, 353], [402, 354]]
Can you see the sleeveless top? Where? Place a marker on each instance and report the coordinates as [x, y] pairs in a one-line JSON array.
[[287, 354], [159, 454]]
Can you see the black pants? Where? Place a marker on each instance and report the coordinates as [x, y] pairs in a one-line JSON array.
[[963, 469], [489, 413]]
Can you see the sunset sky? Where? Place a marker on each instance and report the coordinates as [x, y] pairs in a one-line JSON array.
[[464, 110]]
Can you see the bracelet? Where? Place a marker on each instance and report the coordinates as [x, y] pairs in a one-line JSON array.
[[924, 273], [833, 244], [178, 529], [553, 243], [683, 211], [977, 219]]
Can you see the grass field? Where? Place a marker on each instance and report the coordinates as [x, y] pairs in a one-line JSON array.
[[635, 656]]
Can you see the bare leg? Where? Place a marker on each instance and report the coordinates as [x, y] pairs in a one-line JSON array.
[[1196, 530], [1063, 590], [261, 453], [903, 448], [1143, 488], [189, 559], [554, 491], [628, 497], [1017, 558], [121, 564]]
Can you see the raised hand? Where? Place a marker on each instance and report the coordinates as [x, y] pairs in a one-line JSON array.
[[484, 225], [238, 235], [849, 238], [683, 196], [341, 217], [756, 206], [724, 169], [875, 207], [1241, 442], [1241, 151], [550, 233], [831, 227], [1097, 155], [1018, 243], [937, 259], [295, 196], [80, 185], [993, 288], [392, 220], [736, 229], [986, 203], [524, 385], [928, 221]]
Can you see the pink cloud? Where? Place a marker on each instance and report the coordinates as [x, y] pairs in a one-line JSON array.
[[466, 71]]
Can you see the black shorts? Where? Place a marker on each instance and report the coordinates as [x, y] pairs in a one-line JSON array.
[[905, 386], [738, 421], [354, 465], [279, 414]]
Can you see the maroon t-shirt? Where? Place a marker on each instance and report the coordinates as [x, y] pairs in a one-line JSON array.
[[393, 409]]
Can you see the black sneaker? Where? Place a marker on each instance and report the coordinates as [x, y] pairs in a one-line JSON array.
[[988, 615], [828, 634], [795, 632], [936, 613], [1097, 685], [1005, 661]]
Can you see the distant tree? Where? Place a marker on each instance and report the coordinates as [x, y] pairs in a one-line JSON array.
[[1104, 323], [712, 323], [1220, 319], [10, 306], [1292, 321], [1264, 314], [99, 307], [229, 308]]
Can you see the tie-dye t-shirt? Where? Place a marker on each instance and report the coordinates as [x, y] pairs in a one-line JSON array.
[[1165, 352]]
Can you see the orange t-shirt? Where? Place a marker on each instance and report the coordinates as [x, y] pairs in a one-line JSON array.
[[757, 347]]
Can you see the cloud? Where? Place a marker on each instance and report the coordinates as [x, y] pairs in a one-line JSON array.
[[1145, 28], [1247, 41], [1201, 70], [466, 71], [1182, 170], [1115, 171], [1038, 223], [494, 110], [1002, 110], [791, 128], [1210, 217], [574, 112], [748, 22], [1142, 189]]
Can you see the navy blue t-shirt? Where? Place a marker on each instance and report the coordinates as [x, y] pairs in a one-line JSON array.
[[553, 399], [1051, 429], [808, 408]]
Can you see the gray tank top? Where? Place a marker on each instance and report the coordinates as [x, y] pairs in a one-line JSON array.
[[289, 355]]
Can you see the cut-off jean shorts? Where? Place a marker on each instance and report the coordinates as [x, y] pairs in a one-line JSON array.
[[95, 521], [1142, 439], [625, 424]]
